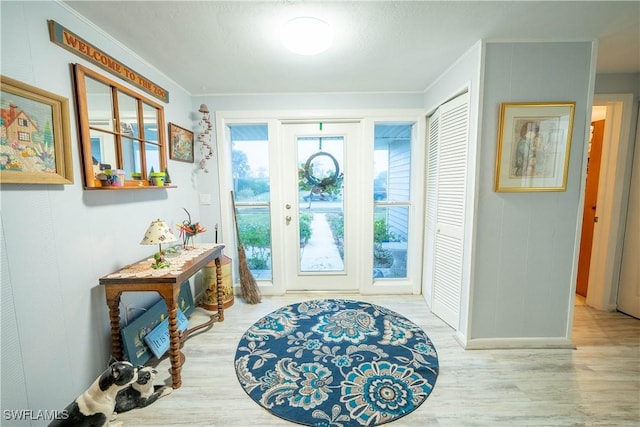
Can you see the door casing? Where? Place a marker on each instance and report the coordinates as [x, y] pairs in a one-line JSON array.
[[274, 119]]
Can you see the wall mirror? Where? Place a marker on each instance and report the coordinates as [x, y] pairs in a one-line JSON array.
[[119, 129]]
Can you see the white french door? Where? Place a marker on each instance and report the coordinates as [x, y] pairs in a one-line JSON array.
[[321, 202]]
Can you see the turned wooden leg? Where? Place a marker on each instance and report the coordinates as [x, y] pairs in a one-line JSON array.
[[220, 290], [113, 301], [174, 341]]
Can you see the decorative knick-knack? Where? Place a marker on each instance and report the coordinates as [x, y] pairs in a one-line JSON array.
[[206, 130]]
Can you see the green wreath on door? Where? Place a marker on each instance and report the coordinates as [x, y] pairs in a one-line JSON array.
[[330, 184]]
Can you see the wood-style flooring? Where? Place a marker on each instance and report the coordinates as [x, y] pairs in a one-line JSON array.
[[596, 384]]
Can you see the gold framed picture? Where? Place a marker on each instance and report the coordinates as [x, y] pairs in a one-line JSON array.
[[180, 143], [534, 142], [34, 135]]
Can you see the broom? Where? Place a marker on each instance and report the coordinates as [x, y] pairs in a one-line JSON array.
[[249, 287]]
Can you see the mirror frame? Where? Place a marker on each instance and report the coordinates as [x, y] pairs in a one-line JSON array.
[[89, 176]]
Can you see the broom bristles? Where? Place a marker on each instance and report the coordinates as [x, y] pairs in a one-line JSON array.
[[249, 287]]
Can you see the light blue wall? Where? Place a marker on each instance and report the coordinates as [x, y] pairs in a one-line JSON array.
[[618, 83], [58, 240], [525, 245]]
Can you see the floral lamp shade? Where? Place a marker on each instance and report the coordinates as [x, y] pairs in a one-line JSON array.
[[158, 233]]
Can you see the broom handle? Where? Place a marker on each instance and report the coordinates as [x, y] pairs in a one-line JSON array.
[[235, 218]]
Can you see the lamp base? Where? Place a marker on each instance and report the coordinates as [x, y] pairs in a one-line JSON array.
[[161, 262]]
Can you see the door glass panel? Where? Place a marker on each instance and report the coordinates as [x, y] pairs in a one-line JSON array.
[[390, 230], [251, 186], [320, 204], [391, 198], [255, 233]]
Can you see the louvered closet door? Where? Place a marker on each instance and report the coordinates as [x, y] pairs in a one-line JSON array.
[[446, 189]]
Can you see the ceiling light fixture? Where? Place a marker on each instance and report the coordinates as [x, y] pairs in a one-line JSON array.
[[306, 35]]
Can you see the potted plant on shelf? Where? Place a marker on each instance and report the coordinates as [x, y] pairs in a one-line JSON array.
[[106, 177], [156, 178]]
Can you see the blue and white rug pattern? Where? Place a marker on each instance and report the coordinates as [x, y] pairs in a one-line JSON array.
[[336, 362]]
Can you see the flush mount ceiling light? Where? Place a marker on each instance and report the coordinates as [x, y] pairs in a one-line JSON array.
[[306, 35]]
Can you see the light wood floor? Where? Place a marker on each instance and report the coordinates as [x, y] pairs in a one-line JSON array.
[[597, 384]]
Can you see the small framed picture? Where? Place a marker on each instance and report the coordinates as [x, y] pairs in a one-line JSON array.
[[533, 146], [35, 142], [180, 143]]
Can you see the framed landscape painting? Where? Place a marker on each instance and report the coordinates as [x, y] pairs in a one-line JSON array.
[[533, 146], [34, 135], [180, 143]]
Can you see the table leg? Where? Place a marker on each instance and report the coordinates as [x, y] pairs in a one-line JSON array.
[[113, 301], [174, 338], [220, 290]]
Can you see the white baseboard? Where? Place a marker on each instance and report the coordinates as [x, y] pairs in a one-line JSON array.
[[514, 343]]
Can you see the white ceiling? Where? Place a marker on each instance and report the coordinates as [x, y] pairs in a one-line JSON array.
[[232, 47]]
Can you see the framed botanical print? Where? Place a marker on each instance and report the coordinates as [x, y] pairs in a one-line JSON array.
[[180, 143], [533, 146]]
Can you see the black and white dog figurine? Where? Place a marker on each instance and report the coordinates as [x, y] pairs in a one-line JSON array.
[[95, 407], [141, 393]]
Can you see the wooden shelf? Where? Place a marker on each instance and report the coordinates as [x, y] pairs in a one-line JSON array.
[[132, 187]]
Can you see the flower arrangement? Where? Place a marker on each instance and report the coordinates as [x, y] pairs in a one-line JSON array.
[[188, 230]]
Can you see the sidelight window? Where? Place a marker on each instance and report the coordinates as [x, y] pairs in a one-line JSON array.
[[391, 199]]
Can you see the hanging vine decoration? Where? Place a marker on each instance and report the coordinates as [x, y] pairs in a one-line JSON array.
[[204, 137]]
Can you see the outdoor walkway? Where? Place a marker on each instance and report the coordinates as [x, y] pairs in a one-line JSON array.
[[320, 253]]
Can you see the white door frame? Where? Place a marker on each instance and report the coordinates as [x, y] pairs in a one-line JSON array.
[[615, 175], [273, 120]]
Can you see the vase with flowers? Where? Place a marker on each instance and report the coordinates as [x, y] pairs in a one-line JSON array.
[[188, 231]]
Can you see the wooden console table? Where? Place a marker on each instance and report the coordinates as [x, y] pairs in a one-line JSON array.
[[140, 277]]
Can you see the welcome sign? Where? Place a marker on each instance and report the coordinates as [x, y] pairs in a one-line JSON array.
[[71, 42]]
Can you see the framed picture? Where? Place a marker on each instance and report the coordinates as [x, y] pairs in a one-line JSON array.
[[533, 146], [180, 144], [34, 135]]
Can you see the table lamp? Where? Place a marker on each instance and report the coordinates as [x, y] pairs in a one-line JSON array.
[[158, 233]]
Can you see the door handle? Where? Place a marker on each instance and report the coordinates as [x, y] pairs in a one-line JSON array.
[[288, 219]]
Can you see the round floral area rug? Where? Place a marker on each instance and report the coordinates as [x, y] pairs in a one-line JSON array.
[[335, 362]]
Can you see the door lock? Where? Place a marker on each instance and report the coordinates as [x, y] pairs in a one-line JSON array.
[[288, 206], [288, 219]]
